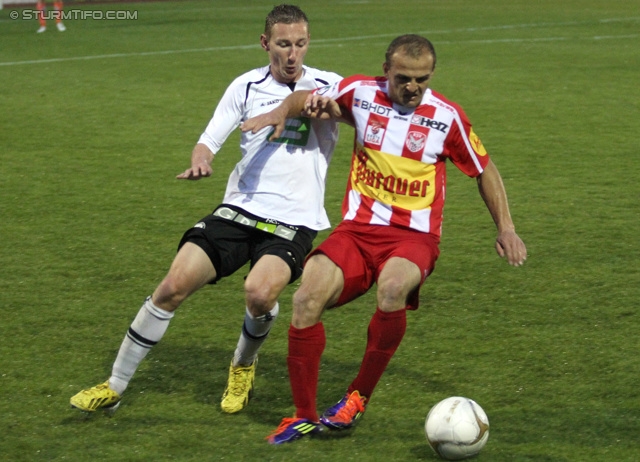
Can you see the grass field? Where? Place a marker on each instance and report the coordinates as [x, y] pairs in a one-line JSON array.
[[96, 122]]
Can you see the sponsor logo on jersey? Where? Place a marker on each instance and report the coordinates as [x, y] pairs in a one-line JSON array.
[[269, 103], [372, 107], [323, 90], [374, 133], [296, 132], [429, 123], [393, 180], [478, 147]]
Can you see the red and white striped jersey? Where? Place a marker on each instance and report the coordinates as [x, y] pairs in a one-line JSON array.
[[397, 175]]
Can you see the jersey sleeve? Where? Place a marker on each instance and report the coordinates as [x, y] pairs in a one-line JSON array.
[[227, 117], [326, 78], [342, 92], [464, 148]]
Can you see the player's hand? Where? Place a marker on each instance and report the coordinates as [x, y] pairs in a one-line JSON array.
[[196, 172], [510, 246], [274, 119], [321, 107]]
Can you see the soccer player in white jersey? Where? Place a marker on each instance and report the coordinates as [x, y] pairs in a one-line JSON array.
[[272, 209], [392, 216]]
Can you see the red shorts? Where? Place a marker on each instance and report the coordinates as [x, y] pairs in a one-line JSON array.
[[361, 251]]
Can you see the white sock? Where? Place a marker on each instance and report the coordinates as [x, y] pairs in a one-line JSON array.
[[254, 332], [146, 330]]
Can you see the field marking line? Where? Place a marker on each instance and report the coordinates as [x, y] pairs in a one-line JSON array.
[[126, 55], [327, 42]]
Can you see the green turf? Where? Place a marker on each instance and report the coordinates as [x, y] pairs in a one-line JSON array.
[[96, 122]]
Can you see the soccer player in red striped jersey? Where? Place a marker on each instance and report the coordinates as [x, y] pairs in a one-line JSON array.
[[392, 217]]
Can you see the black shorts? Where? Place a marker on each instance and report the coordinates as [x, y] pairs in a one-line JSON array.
[[232, 237]]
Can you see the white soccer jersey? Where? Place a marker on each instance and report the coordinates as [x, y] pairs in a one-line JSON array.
[[398, 164], [283, 179]]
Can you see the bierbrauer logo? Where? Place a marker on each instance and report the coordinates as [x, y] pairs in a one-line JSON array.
[[98, 15]]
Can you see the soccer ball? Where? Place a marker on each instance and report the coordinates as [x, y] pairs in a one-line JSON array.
[[457, 428]]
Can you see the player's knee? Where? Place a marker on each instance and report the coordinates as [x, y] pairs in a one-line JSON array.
[[170, 293], [392, 293], [260, 298], [303, 318], [302, 300], [307, 308]]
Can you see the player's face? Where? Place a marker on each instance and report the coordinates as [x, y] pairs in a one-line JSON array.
[[408, 78], [287, 47]]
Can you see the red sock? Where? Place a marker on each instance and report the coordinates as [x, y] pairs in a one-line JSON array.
[[305, 349], [58, 7], [42, 9], [385, 333]]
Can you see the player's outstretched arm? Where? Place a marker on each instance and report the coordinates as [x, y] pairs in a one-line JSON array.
[[292, 106], [508, 243], [321, 107], [201, 159]]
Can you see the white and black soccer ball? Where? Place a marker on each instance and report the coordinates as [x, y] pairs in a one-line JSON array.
[[457, 428]]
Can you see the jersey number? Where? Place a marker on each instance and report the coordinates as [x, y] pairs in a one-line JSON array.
[[296, 132]]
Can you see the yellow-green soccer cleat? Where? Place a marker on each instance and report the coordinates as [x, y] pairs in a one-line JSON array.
[[98, 397], [239, 388]]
